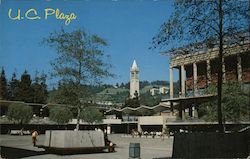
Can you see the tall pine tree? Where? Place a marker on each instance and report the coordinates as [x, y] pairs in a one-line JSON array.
[[26, 91], [3, 86], [40, 89], [14, 88], [43, 84]]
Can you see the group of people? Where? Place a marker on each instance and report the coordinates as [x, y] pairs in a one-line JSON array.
[[165, 132]]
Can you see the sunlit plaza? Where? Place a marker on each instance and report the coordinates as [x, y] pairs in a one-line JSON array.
[[21, 147]]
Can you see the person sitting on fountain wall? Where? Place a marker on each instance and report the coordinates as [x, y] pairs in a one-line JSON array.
[[109, 144]]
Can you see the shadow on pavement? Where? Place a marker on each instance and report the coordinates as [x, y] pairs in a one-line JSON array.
[[12, 152]]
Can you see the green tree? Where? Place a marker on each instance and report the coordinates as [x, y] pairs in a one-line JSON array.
[[20, 113], [25, 89], [144, 83], [60, 114], [234, 103], [91, 115], [40, 89], [3, 85], [211, 23], [80, 61], [14, 88], [65, 94], [122, 85], [132, 102], [160, 83], [149, 100]]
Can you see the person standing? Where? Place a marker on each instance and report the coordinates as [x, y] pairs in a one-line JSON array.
[[34, 137]]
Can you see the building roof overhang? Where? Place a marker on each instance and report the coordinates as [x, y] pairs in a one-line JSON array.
[[188, 101], [158, 108]]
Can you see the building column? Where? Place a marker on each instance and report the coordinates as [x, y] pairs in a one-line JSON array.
[[194, 111], [172, 108], [171, 82], [239, 68], [139, 129], [180, 111], [179, 93], [163, 124], [182, 81], [128, 129], [109, 129], [195, 88], [190, 111], [183, 113], [208, 73], [223, 70]]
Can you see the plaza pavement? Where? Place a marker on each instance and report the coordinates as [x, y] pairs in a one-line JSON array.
[[151, 148]]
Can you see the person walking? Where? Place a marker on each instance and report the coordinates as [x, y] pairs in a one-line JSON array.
[[34, 137]]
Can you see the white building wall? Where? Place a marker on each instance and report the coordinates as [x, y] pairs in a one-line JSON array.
[[151, 120]]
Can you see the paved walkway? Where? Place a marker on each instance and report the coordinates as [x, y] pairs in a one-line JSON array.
[[21, 146]]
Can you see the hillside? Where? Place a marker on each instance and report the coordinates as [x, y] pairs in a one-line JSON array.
[[109, 93], [113, 90], [119, 93]]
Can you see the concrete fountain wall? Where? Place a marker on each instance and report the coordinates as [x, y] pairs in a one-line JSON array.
[[74, 139]]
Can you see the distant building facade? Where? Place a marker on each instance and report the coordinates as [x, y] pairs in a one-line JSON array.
[[199, 69], [159, 90], [154, 91], [134, 80]]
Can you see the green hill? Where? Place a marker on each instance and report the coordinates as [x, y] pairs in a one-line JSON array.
[[113, 91], [146, 89]]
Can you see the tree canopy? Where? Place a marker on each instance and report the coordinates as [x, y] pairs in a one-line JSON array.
[[3, 85], [13, 87], [195, 25], [60, 114], [26, 92], [24, 89], [91, 115], [20, 113], [39, 87], [235, 103], [80, 61]]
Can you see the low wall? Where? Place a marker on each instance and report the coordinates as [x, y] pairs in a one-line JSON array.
[[74, 139], [211, 145]]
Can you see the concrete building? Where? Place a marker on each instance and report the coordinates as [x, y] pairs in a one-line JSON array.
[[163, 90], [159, 90], [154, 91], [134, 80], [198, 70]]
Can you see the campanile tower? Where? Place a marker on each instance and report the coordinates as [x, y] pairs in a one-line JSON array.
[[134, 80]]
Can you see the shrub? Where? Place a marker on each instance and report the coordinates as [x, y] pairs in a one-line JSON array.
[[60, 114], [20, 113]]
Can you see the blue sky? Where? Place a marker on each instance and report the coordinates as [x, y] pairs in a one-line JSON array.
[[127, 25]]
